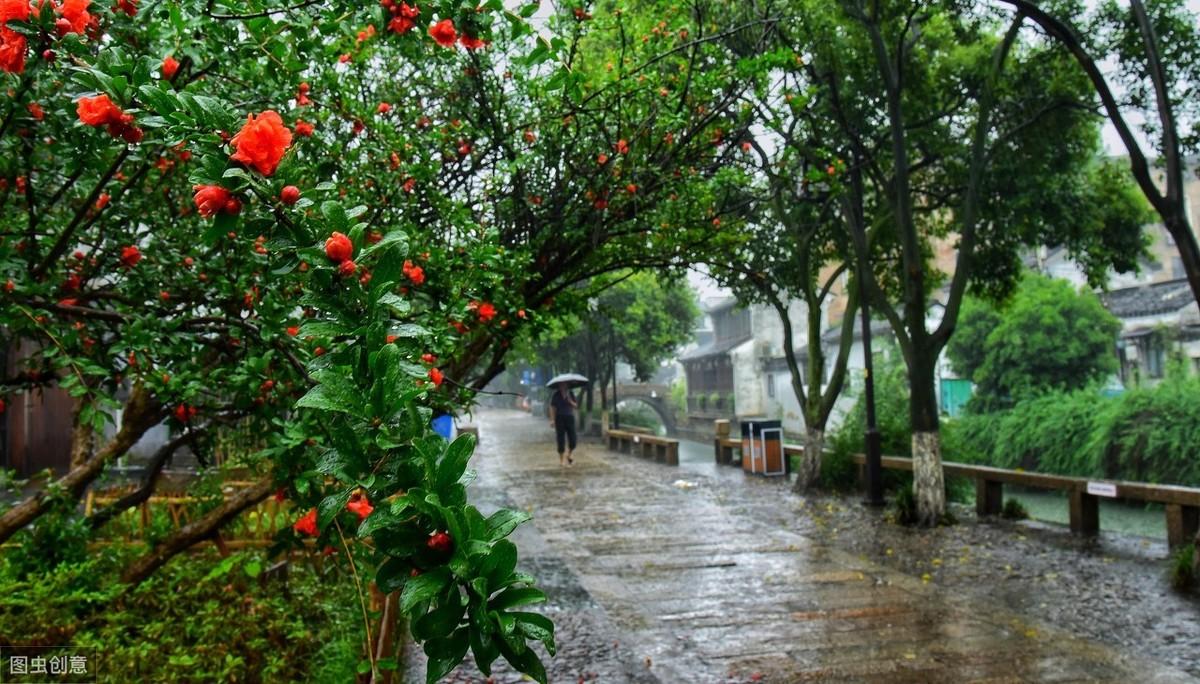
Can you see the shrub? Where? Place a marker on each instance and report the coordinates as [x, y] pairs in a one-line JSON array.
[[1146, 434], [1182, 572], [199, 619], [1014, 510]]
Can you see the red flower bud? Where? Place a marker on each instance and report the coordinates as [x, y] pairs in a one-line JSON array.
[[347, 268], [307, 524], [440, 542], [290, 194], [339, 248], [169, 66], [130, 256]]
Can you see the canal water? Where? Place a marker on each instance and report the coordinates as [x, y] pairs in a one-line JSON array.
[[1137, 520]]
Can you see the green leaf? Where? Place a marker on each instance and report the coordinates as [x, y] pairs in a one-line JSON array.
[[393, 239], [454, 462], [516, 596], [500, 563], [396, 303], [445, 655], [408, 330], [422, 588], [525, 661], [323, 398], [335, 215], [539, 627], [503, 522], [392, 575], [159, 100], [330, 506], [439, 622]]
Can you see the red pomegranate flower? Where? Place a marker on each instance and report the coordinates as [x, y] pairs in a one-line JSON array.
[[304, 128], [472, 43], [211, 199], [338, 248], [14, 10], [486, 312], [36, 111], [360, 506], [12, 51], [622, 147], [130, 256], [436, 376], [170, 66], [443, 32], [307, 524], [127, 6], [262, 142], [401, 25], [302, 99], [414, 273], [102, 201], [347, 268], [98, 111], [76, 14], [383, 108]]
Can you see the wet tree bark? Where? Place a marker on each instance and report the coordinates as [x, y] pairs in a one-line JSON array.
[[198, 531], [810, 465], [135, 498], [141, 413], [929, 485]]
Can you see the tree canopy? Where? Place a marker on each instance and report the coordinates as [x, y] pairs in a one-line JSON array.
[[1048, 336]]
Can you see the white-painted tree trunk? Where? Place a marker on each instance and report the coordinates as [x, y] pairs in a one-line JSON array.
[[929, 487], [810, 465]]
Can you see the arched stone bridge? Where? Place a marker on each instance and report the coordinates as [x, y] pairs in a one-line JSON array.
[[657, 397]]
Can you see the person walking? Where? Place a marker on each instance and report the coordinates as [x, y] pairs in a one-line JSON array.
[[562, 419]]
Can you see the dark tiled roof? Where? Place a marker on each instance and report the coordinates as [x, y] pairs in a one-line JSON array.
[[878, 329], [719, 347], [1147, 300]]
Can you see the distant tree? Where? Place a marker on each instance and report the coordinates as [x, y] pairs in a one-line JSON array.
[[639, 317], [1049, 336]]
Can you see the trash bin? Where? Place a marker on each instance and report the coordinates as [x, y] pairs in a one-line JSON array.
[[443, 424], [762, 447]]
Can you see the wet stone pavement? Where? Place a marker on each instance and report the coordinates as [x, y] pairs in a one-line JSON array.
[[699, 574]]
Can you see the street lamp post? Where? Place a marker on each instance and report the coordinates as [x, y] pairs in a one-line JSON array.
[[612, 349], [871, 436]]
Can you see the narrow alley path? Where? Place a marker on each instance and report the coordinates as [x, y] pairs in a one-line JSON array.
[[660, 574]]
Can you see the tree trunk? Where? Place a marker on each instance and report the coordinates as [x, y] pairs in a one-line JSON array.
[[83, 440], [928, 482], [198, 531], [142, 412], [929, 485], [810, 465]]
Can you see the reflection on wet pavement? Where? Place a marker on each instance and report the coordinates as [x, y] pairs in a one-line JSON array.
[[652, 581]]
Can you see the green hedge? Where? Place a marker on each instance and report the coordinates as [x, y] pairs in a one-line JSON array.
[[1145, 434]]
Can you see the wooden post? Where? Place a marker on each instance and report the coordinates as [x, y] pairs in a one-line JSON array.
[[1085, 513], [673, 453], [1182, 524], [989, 497]]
